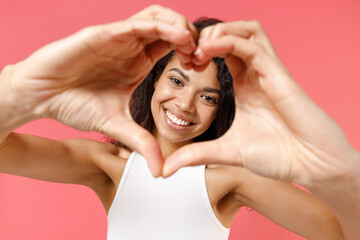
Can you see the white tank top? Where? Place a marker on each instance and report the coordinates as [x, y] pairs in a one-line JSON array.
[[177, 207]]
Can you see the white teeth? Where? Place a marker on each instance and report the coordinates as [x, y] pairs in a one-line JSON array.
[[175, 120]]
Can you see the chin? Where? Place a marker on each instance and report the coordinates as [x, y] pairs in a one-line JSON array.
[[175, 138]]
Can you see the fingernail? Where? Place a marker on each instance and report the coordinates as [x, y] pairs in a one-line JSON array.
[[165, 172], [156, 174], [198, 51]]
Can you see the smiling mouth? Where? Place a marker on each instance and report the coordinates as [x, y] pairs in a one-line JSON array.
[[177, 121]]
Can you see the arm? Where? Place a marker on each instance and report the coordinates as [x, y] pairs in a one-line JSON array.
[[342, 195], [75, 161], [68, 161], [288, 206], [278, 131]]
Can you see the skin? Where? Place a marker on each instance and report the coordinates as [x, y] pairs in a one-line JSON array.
[[312, 151], [100, 166]]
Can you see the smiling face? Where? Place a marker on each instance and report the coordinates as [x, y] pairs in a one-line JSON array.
[[184, 102]]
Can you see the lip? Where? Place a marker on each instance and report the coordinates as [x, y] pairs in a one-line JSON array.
[[173, 125], [179, 116]]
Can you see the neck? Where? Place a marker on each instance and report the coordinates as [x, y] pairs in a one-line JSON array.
[[167, 147]]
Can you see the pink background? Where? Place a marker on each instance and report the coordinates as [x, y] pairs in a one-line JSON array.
[[319, 42]]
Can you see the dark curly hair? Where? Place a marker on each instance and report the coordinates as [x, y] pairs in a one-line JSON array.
[[140, 102]]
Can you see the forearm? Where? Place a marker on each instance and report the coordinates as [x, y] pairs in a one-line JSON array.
[[342, 196], [290, 207]]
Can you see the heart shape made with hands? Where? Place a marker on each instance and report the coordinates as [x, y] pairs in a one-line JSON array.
[[254, 134]]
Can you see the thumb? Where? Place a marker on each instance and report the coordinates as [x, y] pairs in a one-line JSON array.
[[138, 139], [209, 152]]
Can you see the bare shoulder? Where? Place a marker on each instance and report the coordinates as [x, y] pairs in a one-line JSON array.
[[222, 183], [107, 157], [251, 189], [231, 177], [86, 162], [245, 187]]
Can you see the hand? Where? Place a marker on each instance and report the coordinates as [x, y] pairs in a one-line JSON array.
[[86, 80], [278, 131]]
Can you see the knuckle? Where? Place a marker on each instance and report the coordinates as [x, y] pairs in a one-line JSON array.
[[88, 30], [217, 31], [240, 22], [183, 21], [153, 10], [155, 7], [207, 32], [259, 48], [179, 21], [258, 53], [256, 25]]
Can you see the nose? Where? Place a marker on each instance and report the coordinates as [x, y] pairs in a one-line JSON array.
[[185, 102]]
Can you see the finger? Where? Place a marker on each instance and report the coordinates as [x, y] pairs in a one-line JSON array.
[[146, 29], [158, 50], [187, 66], [182, 38], [250, 30], [136, 138], [169, 16], [193, 30], [231, 28], [184, 58], [210, 152], [200, 68], [283, 92], [252, 54], [278, 84]]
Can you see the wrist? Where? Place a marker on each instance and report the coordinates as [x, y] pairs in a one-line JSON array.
[[341, 187], [11, 115]]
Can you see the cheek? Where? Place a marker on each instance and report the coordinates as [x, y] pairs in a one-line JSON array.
[[161, 94]]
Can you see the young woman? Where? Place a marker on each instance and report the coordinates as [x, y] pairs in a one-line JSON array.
[[177, 104]]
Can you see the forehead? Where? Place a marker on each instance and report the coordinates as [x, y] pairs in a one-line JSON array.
[[207, 77]]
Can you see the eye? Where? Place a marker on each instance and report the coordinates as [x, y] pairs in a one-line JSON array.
[[209, 99], [176, 82]]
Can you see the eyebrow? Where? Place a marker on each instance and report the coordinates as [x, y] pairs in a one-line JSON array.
[[186, 77], [213, 90]]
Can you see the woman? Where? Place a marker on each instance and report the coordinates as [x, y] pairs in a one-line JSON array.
[[184, 105]]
